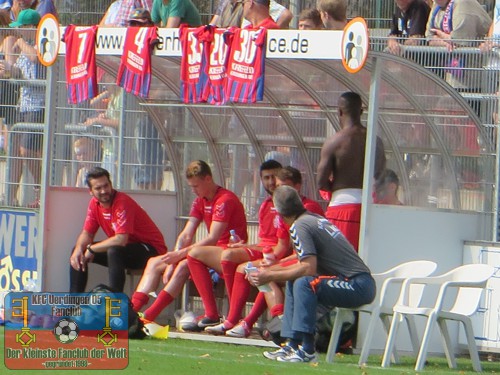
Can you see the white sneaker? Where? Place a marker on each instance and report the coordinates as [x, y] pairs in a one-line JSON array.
[[298, 356], [240, 330], [218, 329], [280, 353]]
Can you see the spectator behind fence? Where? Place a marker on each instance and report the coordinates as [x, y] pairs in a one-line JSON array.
[[120, 11], [408, 24], [281, 15], [220, 210], [21, 63], [88, 153], [171, 13], [456, 23], [6, 5], [333, 13], [47, 7], [19, 5], [385, 188], [230, 13], [148, 175], [4, 18], [310, 19], [459, 23], [325, 257], [493, 36], [8, 97], [132, 237], [256, 12], [109, 122]]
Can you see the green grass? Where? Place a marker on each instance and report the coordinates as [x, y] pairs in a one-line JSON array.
[[180, 356]]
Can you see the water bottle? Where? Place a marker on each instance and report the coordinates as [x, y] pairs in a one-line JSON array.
[[268, 254], [249, 268], [233, 237]]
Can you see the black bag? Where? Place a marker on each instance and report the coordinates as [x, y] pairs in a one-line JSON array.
[[324, 325], [135, 325]]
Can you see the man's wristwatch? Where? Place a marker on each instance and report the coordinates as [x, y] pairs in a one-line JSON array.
[[89, 249]]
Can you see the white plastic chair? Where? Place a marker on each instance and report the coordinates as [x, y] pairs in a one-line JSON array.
[[468, 282], [381, 307]]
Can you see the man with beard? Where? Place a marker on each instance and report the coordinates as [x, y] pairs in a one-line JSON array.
[[133, 237]]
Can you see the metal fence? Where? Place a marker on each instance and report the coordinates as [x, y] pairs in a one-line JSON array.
[[135, 152]]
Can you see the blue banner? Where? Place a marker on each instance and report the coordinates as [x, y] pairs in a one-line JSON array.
[[18, 249]]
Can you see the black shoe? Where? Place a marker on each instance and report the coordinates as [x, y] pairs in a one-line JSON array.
[[207, 322]]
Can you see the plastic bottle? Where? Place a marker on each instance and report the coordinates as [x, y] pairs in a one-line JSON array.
[[234, 238], [250, 268], [268, 254]]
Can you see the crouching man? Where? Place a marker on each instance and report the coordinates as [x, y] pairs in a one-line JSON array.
[[329, 272]]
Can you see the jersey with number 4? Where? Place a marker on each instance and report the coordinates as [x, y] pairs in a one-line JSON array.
[[134, 74], [245, 73], [81, 80]]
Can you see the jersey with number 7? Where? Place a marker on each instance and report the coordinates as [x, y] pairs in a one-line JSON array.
[[81, 80]]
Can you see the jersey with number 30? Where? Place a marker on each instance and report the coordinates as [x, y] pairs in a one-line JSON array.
[[134, 74], [81, 80], [245, 73]]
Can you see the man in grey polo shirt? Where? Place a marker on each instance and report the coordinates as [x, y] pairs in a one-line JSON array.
[[328, 271]]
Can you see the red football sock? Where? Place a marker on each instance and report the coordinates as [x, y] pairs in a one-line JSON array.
[[241, 290], [203, 282], [162, 301], [228, 271], [258, 308], [277, 310], [138, 300]]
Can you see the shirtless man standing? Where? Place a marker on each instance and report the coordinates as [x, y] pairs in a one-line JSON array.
[[341, 167]]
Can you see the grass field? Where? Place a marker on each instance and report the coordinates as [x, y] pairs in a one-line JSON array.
[[176, 356]]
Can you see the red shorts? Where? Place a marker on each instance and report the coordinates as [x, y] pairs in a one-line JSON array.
[[346, 218], [253, 254]]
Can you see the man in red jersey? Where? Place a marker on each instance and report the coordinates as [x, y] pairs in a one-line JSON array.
[[257, 13], [133, 237], [274, 299], [227, 261], [292, 177], [220, 210]]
